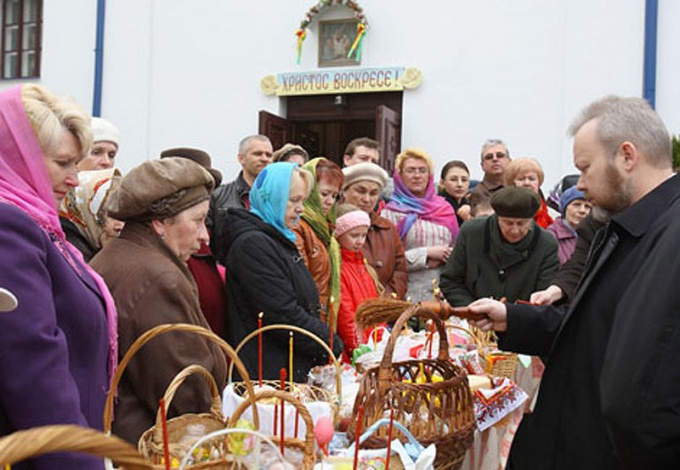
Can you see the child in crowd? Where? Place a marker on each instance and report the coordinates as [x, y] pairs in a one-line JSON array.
[[358, 281]]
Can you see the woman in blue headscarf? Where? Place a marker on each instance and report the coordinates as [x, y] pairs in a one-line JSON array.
[[265, 273]]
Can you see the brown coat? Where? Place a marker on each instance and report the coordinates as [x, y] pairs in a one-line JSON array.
[[315, 255], [385, 253], [151, 286]]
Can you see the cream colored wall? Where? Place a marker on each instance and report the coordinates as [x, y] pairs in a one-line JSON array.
[[181, 72]]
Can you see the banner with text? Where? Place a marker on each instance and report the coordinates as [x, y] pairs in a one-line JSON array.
[[358, 80]]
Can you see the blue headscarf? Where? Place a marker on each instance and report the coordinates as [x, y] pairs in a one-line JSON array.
[[269, 196]]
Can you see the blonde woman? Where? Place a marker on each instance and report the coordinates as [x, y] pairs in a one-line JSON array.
[[426, 223]]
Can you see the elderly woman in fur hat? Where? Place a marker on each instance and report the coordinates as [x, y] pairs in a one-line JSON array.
[[164, 204]]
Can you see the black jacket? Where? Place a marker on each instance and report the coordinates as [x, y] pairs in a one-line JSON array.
[[570, 272], [222, 198], [265, 273], [610, 393]]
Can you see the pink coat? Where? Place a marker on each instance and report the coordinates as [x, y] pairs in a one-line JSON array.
[[566, 239]]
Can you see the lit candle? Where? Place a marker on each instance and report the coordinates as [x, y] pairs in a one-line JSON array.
[[360, 415], [259, 348], [290, 361], [375, 338], [283, 416], [389, 439], [164, 425]]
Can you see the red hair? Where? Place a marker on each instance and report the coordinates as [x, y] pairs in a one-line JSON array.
[[330, 172]]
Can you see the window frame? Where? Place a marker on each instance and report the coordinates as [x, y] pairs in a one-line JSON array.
[[21, 43]]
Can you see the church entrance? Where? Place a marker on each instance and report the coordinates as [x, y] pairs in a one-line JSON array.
[[324, 124]]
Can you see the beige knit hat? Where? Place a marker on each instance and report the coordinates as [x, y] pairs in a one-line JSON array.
[[364, 171]]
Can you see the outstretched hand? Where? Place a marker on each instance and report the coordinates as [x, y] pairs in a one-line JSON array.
[[496, 314], [546, 297]]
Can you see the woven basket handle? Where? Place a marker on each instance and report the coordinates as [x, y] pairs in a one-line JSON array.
[[385, 373], [251, 399], [29, 443], [296, 329], [215, 407], [159, 330]]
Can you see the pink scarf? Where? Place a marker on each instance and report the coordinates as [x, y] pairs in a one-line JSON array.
[[429, 207], [25, 183]]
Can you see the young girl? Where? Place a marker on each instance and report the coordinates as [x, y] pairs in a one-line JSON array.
[[358, 281]]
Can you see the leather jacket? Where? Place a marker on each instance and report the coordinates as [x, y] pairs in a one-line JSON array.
[[222, 198]]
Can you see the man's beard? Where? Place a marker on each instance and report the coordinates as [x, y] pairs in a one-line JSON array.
[[619, 195]]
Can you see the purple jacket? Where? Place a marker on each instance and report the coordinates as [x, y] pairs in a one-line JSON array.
[[566, 239], [53, 347]]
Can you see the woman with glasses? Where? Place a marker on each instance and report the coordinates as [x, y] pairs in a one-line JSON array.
[[425, 222], [505, 255]]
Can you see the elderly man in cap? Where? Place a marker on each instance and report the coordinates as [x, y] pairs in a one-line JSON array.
[[254, 153], [505, 255], [105, 141], [164, 204], [383, 249], [209, 276], [610, 394]]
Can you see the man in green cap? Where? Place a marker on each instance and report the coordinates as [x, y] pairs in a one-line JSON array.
[[505, 255]]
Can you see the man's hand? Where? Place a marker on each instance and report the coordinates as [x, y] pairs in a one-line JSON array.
[[496, 314]]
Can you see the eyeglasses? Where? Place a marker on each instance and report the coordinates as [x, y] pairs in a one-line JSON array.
[[412, 171], [498, 155]]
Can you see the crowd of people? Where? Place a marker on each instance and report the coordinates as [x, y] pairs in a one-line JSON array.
[[95, 258]]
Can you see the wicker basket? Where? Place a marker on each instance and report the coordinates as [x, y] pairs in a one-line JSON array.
[[22, 445], [151, 441], [493, 361], [166, 328], [306, 445], [436, 412], [310, 392], [338, 383]]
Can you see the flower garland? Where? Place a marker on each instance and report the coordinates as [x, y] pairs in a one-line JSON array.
[[362, 24]]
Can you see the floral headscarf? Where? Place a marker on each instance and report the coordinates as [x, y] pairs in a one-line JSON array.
[[84, 206]]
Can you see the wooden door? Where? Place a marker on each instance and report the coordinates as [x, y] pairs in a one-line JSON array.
[[281, 131], [387, 129], [278, 129], [307, 138]]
